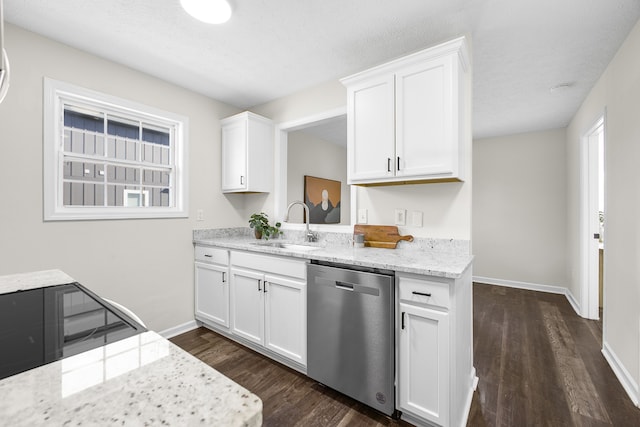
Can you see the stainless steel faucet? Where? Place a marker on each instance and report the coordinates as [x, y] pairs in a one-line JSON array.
[[310, 236]]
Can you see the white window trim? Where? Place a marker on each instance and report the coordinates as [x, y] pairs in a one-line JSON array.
[[54, 93]]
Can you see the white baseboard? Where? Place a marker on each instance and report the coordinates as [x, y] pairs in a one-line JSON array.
[[466, 409], [521, 285], [552, 289], [177, 330], [629, 385], [574, 303]]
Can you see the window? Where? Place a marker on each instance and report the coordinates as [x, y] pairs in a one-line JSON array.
[[109, 158]]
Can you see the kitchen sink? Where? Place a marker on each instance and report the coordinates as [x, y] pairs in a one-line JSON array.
[[290, 246]]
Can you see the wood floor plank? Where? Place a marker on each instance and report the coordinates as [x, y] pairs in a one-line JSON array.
[[538, 363], [580, 391]]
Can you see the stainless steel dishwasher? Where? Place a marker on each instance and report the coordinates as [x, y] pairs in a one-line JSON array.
[[350, 332]]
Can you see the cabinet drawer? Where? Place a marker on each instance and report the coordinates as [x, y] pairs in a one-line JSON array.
[[270, 264], [424, 291], [212, 255]]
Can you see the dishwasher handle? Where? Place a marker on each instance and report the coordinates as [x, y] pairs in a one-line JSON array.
[[344, 285], [357, 288]]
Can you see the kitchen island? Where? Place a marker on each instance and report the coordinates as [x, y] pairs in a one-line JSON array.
[[140, 380]]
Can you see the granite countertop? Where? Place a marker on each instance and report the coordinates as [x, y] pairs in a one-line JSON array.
[[431, 258], [142, 380]]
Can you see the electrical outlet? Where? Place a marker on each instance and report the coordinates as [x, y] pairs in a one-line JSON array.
[[416, 219], [401, 217], [362, 216], [200, 215]]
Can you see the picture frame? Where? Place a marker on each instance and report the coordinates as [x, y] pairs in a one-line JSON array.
[[323, 198]]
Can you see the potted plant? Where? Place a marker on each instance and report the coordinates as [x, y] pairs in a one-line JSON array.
[[261, 228]]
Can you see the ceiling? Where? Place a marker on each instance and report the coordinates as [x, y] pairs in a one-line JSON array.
[[332, 130], [273, 48]]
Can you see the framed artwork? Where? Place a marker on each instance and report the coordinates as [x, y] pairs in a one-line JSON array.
[[322, 197]]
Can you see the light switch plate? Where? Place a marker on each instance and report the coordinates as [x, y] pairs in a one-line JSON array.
[[362, 216], [401, 217], [199, 215], [416, 219]]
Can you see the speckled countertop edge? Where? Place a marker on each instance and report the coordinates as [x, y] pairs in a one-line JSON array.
[[448, 264], [33, 280], [140, 380], [143, 380]]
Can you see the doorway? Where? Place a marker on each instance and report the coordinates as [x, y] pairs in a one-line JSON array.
[[592, 215], [281, 197]]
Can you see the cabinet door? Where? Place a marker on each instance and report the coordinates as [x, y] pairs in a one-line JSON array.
[[234, 155], [370, 127], [286, 317], [247, 305], [212, 294], [426, 142], [423, 369]]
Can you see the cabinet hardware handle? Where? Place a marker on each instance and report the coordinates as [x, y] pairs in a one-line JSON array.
[[259, 285], [398, 163], [424, 294], [208, 255], [265, 287], [241, 180], [388, 164], [402, 320], [224, 277]]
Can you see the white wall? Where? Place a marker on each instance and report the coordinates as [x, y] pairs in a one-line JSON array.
[[519, 209], [309, 155], [146, 265], [617, 91]]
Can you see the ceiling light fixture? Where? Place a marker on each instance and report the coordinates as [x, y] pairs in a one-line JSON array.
[[561, 87], [209, 11]]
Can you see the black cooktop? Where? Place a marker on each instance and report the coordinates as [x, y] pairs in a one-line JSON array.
[[39, 326]]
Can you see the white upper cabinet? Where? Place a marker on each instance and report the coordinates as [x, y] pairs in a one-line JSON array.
[[247, 153], [407, 119], [371, 129]]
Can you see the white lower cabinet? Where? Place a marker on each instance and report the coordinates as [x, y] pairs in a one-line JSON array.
[[435, 374], [424, 363], [258, 300], [247, 305], [269, 309], [285, 317], [212, 286]]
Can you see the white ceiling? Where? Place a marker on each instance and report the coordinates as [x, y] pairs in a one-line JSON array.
[[272, 48], [333, 130]]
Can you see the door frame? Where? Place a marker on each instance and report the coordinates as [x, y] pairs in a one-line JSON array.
[[281, 144], [589, 247]]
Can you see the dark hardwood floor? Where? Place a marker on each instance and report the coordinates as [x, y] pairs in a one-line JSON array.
[[539, 364], [289, 398]]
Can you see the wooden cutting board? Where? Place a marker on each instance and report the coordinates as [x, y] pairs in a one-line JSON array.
[[381, 236]]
